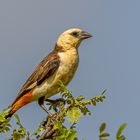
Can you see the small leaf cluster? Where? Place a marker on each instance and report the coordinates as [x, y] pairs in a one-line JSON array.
[[65, 109], [21, 132], [4, 123], [104, 135], [5, 126], [65, 133]]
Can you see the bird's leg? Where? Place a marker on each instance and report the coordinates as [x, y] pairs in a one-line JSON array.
[[55, 104], [41, 104], [50, 116]]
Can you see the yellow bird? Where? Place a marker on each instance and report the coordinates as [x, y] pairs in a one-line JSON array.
[[59, 65]]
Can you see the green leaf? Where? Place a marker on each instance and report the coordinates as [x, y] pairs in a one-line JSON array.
[[17, 118], [120, 130], [72, 136], [121, 138], [80, 98], [74, 114], [59, 138], [102, 127], [104, 134]]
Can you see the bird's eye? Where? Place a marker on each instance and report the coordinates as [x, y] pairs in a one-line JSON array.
[[75, 34]]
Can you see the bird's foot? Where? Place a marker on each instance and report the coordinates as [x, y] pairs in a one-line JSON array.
[[57, 101]]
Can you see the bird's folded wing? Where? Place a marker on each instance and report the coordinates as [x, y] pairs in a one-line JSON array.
[[44, 70]]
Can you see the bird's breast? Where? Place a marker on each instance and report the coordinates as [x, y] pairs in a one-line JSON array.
[[68, 64]]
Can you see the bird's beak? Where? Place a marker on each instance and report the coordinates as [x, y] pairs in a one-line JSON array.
[[84, 35]]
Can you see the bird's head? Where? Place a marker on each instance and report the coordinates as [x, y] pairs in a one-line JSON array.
[[72, 38]]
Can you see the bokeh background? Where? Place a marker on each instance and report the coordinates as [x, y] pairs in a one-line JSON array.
[[109, 60]]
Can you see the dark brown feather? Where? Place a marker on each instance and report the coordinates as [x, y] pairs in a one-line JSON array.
[[44, 70]]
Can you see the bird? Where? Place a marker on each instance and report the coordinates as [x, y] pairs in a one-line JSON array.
[[60, 65]]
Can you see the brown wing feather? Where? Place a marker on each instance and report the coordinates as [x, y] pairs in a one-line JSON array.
[[44, 70]]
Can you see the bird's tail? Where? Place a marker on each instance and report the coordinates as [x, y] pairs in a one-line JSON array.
[[18, 103]]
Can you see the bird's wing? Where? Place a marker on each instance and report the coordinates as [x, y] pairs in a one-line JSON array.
[[44, 70]]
